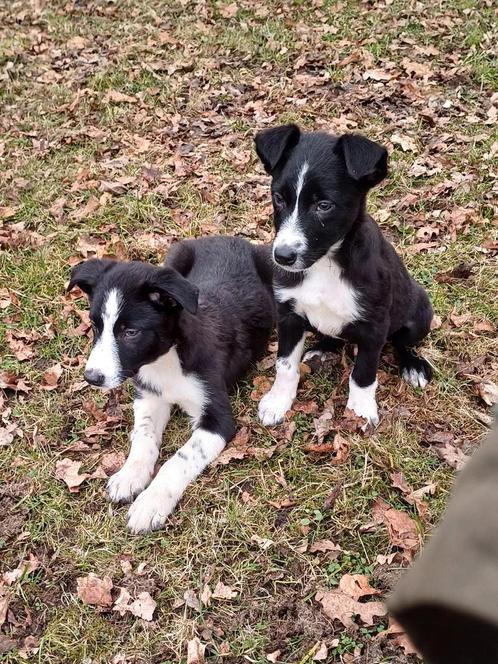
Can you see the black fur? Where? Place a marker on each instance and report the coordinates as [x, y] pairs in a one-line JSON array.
[[340, 173], [212, 300]]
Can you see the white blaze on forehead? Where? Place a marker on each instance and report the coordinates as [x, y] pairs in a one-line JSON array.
[[291, 233], [105, 356]]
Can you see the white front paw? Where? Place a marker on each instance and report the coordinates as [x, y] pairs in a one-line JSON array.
[[314, 353], [364, 406], [150, 510], [273, 407], [124, 485]]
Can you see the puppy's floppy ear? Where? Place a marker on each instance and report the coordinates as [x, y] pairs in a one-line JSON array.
[[275, 144], [366, 161], [87, 274], [167, 287]]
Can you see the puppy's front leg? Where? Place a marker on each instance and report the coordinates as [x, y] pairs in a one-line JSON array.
[[363, 382], [291, 336], [151, 416], [152, 507]]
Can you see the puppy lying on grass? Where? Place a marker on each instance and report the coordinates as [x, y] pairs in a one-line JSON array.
[[184, 334]]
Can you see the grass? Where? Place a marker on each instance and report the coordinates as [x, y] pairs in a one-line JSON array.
[[203, 79]]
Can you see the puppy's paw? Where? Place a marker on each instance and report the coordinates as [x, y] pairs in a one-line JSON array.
[[418, 374], [316, 355], [150, 510], [124, 485], [364, 405], [273, 407]]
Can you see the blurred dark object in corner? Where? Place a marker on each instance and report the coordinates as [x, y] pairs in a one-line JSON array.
[[448, 601]]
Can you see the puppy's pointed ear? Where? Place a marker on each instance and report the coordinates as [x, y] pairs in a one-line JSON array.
[[275, 144], [168, 288], [87, 274], [366, 161]]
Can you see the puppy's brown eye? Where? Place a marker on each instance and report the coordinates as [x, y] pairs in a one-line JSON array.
[[278, 201], [130, 333], [324, 206]]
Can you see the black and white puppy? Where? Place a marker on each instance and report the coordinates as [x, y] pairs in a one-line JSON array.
[[339, 276], [184, 334]]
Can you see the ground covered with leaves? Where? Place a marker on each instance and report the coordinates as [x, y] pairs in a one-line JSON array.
[[126, 125]]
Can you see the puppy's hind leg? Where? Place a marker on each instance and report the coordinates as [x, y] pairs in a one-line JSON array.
[[413, 368]]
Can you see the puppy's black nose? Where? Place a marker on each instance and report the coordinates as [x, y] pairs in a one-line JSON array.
[[94, 377], [285, 255]]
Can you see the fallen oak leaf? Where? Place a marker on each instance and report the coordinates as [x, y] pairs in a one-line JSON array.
[[488, 391], [143, 607], [195, 651], [67, 470], [323, 546], [94, 591], [340, 606], [453, 455], [50, 378], [357, 586], [118, 98], [23, 569], [222, 591], [10, 381], [339, 447], [121, 605]]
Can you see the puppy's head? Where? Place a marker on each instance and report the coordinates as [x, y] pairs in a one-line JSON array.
[[133, 309], [319, 185]]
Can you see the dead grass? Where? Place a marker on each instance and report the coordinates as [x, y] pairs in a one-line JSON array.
[[199, 84]]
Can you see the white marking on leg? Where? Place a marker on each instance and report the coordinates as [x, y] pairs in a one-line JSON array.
[[151, 417], [105, 356], [313, 353], [362, 401], [153, 506], [274, 405], [415, 378], [290, 233]]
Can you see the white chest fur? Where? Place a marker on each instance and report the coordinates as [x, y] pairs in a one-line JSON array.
[[327, 300], [176, 387]]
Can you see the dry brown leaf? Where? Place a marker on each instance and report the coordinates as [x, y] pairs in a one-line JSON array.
[[111, 462], [4, 605], [339, 606], [118, 98], [50, 378], [323, 425], [229, 11], [206, 595], [90, 207], [222, 591], [24, 568], [406, 143], [357, 586], [339, 447], [459, 319], [322, 652], [323, 546], [10, 381], [143, 607], [488, 391], [121, 605], [191, 600], [401, 527], [274, 656], [67, 470], [261, 385], [94, 591], [195, 651], [453, 455]]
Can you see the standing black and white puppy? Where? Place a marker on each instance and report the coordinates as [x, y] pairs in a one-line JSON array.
[[184, 333], [339, 277]]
